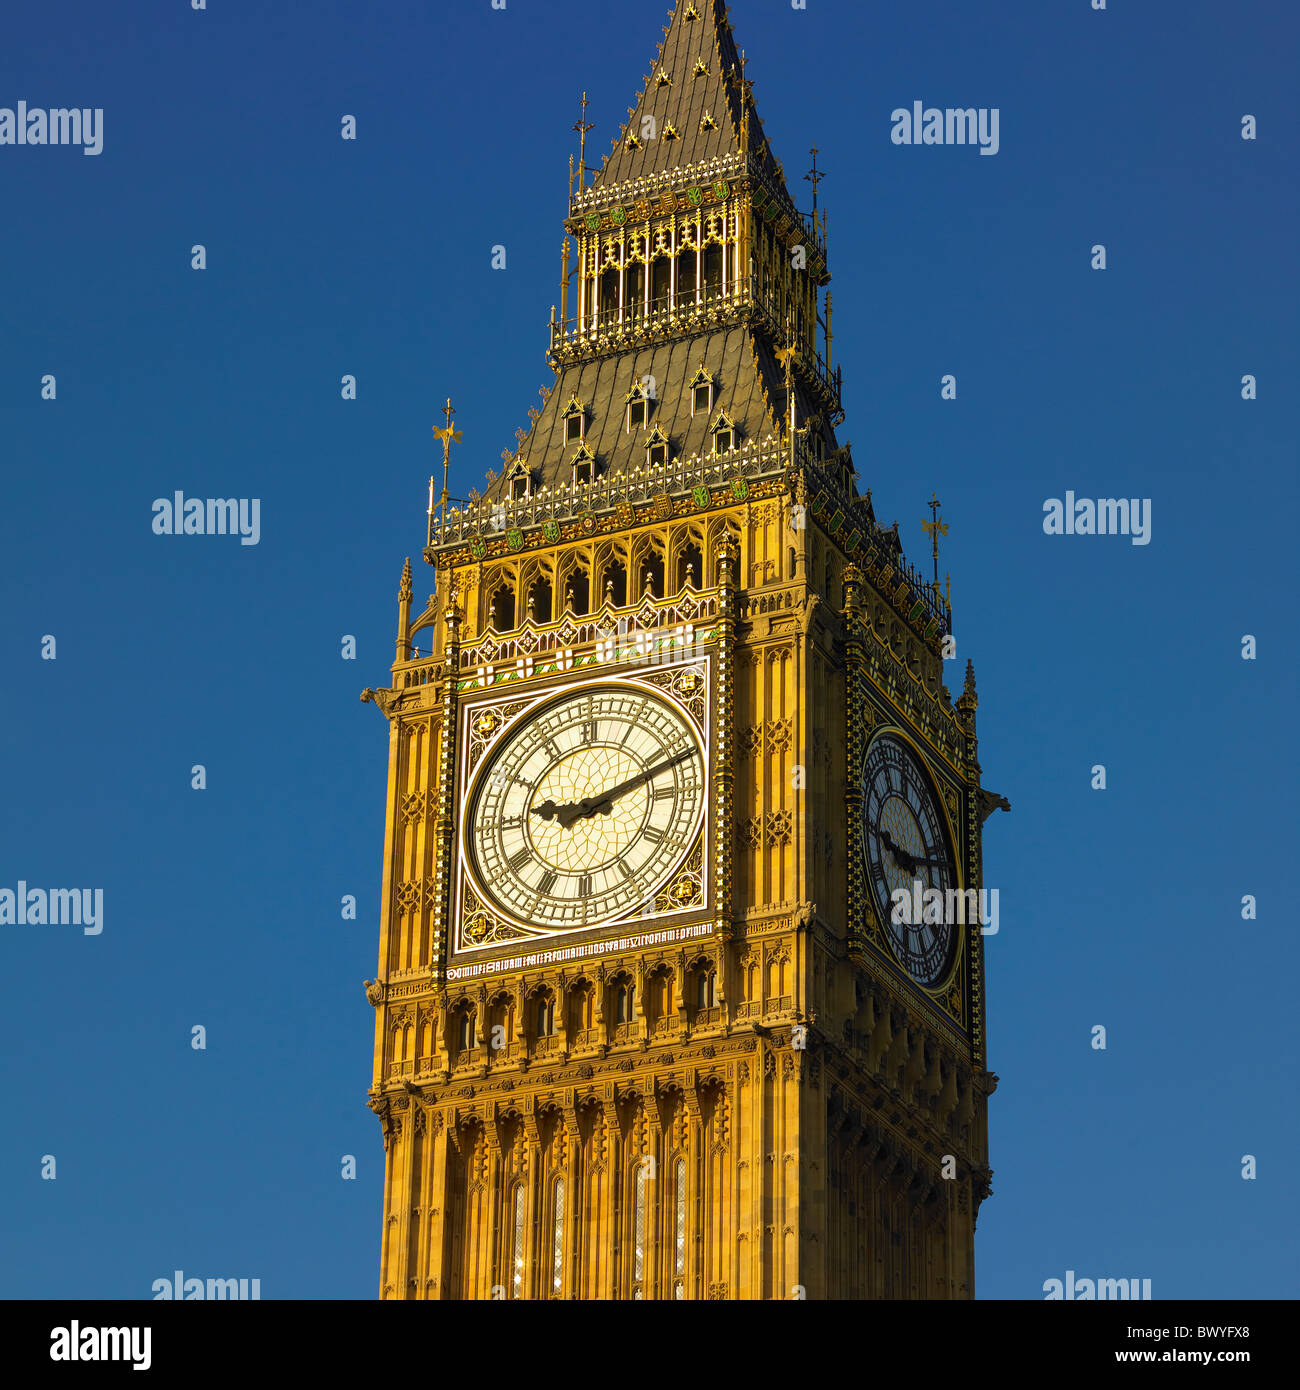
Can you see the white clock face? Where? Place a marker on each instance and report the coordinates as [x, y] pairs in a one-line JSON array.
[[907, 850], [585, 807]]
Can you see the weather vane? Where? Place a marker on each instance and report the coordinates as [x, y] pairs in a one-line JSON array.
[[935, 528], [449, 437]]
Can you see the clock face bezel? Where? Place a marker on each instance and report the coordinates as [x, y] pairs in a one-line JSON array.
[[894, 934], [517, 710]]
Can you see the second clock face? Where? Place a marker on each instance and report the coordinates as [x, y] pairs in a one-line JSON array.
[[906, 850], [585, 807]]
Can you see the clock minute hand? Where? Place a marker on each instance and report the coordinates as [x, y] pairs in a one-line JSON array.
[[648, 775], [589, 805]]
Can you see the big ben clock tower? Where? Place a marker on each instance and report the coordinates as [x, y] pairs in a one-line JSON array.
[[668, 747]]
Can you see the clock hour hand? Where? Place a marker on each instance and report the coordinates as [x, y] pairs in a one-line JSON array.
[[901, 857]]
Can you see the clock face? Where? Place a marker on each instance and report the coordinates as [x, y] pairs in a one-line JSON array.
[[905, 846], [585, 807]]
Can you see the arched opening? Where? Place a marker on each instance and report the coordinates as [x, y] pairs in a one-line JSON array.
[[608, 302], [544, 1015], [577, 593], [712, 270], [501, 610], [660, 283], [614, 584], [686, 264], [634, 291], [652, 576], [540, 601], [690, 567]]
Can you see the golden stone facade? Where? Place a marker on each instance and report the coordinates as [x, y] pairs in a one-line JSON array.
[[671, 725]]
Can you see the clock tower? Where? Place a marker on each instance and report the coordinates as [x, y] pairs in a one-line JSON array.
[[672, 1000]]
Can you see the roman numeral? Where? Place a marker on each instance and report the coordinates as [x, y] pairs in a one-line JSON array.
[[584, 886], [654, 835], [662, 792], [546, 883], [520, 857]]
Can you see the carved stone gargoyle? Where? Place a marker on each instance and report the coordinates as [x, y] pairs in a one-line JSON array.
[[990, 802], [388, 701]]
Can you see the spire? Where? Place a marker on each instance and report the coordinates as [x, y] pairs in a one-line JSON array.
[[695, 106]]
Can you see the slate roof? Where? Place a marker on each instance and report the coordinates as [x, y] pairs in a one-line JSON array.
[[748, 384], [686, 99]]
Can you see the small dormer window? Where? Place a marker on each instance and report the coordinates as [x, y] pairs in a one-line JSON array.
[[701, 388], [670, 132], [724, 433], [707, 122], [662, 79], [656, 454], [637, 401], [518, 481], [575, 421], [701, 68], [584, 465]]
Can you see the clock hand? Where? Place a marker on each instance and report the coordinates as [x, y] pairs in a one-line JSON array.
[[586, 808], [648, 775], [902, 858]]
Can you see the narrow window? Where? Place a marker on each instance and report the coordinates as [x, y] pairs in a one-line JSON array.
[[679, 1243], [639, 1231], [557, 1241], [636, 414], [573, 429], [517, 1265], [703, 393]]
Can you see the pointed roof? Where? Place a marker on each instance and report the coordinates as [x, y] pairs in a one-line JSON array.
[[695, 75]]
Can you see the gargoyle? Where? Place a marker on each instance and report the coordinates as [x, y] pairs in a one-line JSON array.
[[990, 802]]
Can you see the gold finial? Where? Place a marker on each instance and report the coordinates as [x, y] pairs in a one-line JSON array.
[[582, 125], [785, 356], [449, 437], [935, 528]]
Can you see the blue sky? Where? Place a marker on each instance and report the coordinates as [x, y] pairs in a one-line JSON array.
[[372, 257]]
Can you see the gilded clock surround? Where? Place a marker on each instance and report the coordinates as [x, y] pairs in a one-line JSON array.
[[738, 1094]]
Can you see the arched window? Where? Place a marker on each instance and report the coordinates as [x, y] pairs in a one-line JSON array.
[[609, 295], [539, 601], [652, 576], [623, 1004], [706, 989], [517, 1246], [465, 1039], [545, 1016]]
